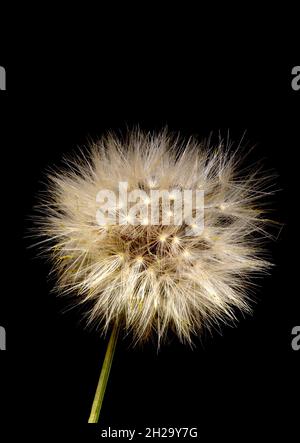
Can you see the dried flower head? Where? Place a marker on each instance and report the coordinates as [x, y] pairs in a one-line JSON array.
[[156, 276]]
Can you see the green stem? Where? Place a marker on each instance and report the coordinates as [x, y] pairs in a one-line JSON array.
[[100, 391]]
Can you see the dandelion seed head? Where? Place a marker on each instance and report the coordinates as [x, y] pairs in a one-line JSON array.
[[152, 277]]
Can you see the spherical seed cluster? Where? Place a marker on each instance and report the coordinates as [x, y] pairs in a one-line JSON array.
[[155, 277]]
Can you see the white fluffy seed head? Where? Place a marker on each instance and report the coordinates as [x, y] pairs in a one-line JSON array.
[[156, 277]]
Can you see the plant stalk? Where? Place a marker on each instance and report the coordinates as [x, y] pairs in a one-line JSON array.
[[103, 379]]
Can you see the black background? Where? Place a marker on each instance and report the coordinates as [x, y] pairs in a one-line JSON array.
[[243, 382]]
